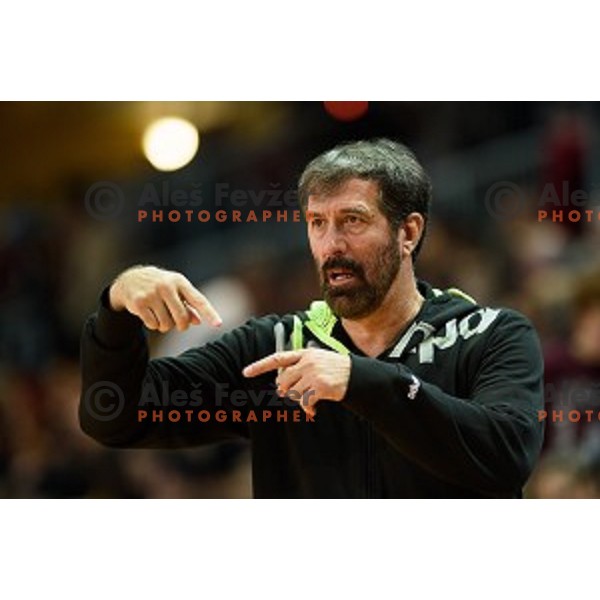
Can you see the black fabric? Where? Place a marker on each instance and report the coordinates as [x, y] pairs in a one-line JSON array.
[[454, 415]]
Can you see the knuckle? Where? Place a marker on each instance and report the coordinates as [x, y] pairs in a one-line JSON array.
[[150, 323], [162, 287], [179, 314], [144, 296], [179, 277], [138, 302]]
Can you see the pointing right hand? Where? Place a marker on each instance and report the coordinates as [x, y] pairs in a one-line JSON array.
[[162, 299]]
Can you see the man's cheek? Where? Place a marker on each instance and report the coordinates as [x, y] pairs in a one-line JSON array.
[[313, 247]]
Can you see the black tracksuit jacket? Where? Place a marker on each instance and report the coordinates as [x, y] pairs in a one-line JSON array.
[[449, 411]]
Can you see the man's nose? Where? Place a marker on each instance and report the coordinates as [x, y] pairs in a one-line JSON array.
[[335, 242]]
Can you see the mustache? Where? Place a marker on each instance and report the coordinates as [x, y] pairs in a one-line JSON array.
[[341, 262]]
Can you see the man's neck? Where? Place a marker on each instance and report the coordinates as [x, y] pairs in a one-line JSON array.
[[378, 330]]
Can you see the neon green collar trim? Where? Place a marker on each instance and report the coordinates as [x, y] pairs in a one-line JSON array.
[[320, 323]]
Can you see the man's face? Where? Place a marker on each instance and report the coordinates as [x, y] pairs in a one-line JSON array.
[[356, 254]]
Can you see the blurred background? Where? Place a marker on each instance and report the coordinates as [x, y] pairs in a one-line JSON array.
[[75, 177]]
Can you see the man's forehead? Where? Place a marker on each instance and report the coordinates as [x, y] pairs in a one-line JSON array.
[[353, 192]]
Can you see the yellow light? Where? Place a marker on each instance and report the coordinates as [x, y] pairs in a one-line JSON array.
[[170, 143]]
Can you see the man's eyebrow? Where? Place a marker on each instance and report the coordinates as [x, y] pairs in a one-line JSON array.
[[361, 210]]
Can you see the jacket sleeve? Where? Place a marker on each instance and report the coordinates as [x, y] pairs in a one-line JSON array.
[[488, 441], [118, 380]]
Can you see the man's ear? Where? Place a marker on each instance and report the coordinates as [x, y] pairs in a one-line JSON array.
[[410, 232]]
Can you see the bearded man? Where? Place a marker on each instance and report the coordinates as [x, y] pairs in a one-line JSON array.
[[404, 390]]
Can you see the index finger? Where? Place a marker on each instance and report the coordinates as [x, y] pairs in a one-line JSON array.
[[272, 362], [196, 300]]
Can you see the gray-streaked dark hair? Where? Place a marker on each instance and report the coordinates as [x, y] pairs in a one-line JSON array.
[[404, 186]]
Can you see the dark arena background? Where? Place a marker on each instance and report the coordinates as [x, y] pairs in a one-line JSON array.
[[208, 189]]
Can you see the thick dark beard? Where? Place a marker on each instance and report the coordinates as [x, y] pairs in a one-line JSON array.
[[365, 297]]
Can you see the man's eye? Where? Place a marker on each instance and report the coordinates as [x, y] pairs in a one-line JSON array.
[[352, 219], [317, 222]]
